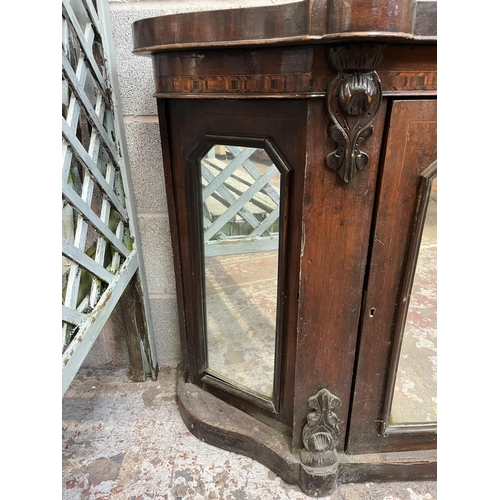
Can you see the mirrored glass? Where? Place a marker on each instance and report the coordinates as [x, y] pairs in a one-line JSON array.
[[241, 208], [415, 394]]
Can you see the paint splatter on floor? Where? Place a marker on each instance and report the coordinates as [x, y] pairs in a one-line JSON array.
[[126, 441]]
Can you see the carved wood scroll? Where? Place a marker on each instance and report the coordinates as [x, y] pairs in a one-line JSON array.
[[319, 462], [352, 101]]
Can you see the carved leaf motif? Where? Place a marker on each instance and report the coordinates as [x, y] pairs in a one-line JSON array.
[[352, 58], [366, 133], [356, 95], [361, 160], [335, 159], [321, 432]]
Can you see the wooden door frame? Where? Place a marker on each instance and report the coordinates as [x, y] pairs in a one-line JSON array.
[[181, 165], [393, 264]]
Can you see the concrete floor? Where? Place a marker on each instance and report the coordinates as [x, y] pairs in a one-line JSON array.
[[126, 441]]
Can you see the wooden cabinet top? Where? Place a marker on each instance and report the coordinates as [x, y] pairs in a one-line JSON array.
[[306, 21]]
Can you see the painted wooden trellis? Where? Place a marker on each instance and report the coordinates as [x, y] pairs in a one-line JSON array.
[[101, 259], [241, 201]]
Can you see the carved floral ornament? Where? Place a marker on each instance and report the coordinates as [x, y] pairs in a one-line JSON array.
[[352, 101], [321, 433]]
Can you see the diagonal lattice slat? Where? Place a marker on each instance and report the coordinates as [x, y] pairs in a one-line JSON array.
[[85, 43], [236, 193], [72, 252], [90, 162], [228, 170], [238, 204], [227, 198], [90, 215], [83, 156], [100, 254], [254, 172]]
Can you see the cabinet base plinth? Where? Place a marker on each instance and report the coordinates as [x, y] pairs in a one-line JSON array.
[[318, 482], [220, 424]]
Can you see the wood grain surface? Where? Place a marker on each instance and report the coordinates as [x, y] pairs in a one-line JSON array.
[[298, 22]]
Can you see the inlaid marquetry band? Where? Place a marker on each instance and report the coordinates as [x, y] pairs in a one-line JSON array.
[[260, 84], [409, 81]]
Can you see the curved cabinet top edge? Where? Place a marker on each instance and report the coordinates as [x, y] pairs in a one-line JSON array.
[[307, 21]]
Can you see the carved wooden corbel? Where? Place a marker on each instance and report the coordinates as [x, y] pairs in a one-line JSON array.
[[319, 461], [352, 101]]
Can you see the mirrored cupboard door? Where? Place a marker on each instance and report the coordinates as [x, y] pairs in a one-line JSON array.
[[395, 397]]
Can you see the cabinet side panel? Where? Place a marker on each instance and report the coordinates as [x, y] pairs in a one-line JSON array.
[[284, 123]]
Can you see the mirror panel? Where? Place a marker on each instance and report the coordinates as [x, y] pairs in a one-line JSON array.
[[241, 227], [415, 394]]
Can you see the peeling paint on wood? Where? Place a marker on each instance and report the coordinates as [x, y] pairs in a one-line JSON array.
[[100, 252]]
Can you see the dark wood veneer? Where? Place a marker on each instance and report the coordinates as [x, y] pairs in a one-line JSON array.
[[261, 75], [285, 123], [332, 273], [424, 186], [298, 22], [303, 72], [409, 152], [227, 427]]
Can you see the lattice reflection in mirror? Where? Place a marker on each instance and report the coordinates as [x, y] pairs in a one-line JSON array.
[[241, 187], [241, 215]]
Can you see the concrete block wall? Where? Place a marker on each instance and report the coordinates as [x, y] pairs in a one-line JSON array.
[[139, 109]]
